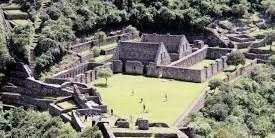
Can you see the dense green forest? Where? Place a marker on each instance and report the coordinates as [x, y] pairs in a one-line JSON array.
[[64, 20], [243, 109], [20, 123]]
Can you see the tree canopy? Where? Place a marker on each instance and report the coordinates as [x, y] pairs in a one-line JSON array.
[[29, 123], [242, 109]]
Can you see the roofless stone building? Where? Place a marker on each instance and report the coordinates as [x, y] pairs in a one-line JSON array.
[[168, 56]]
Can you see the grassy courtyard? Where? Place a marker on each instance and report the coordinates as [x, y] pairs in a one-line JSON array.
[[202, 64], [124, 94]]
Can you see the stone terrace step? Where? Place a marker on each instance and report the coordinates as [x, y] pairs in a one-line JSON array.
[[65, 117]]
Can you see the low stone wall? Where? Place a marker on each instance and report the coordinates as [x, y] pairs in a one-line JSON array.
[[255, 56], [193, 108], [106, 130], [191, 59], [241, 38], [259, 51], [242, 71], [26, 100], [21, 16], [146, 134], [260, 43], [83, 73], [43, 89], [76, 122], [217, 52], [84, 46]]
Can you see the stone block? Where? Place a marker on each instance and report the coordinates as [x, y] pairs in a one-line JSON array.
[[117, 66], [143, 124], [122, 124]]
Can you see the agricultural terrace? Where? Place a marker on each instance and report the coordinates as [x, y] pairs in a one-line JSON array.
[[124, 94]]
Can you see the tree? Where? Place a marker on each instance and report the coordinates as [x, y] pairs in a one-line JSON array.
[[96, 51], [215, 83], [219, 111], [91, 132], [100, 35], [105, 73], [236, 58]]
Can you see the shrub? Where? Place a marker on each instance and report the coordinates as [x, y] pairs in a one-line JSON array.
[[96, 51], [100, 35]]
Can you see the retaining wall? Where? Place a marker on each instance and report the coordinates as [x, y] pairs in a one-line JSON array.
[[191, 59], [255, 56], [84, 46]]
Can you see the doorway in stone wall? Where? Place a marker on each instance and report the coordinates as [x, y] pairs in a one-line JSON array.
[[144, 70], [123, 67]]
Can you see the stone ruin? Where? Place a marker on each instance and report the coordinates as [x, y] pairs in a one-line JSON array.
[[23, 90], [168, 56], [83, 73]]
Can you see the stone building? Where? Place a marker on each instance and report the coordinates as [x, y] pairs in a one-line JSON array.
[[176, 45], [133, 57]]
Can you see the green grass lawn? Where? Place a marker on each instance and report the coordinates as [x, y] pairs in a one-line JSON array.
[[66, 105], [22, 22], [15, 12], [202, 64], [118, 96], [107, 47]]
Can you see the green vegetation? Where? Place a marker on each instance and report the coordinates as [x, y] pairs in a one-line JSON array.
[[105, 73], [202, 64], [22, 38], [21, 123], [236, 58], [242, 109], [15, 12], [21, 22], [124, 93], [5, 57], [61, 20]]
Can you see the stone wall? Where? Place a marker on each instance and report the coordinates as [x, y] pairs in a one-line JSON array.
[[193, 75], [259, 51], [83, 73], [193, 108], [117, 66], [191, 59], [137, 51], [134, 67], [21, 16], [242, 71], [76, 122], [26, 100], [217, 52], [106, 130], [84, 46], [257, 56], [172, 72], [215, 68]]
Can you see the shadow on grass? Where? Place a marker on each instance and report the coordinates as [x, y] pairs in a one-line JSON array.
[[101, 85]]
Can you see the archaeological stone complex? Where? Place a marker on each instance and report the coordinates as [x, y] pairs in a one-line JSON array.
[[154, 55], [168, 56]]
